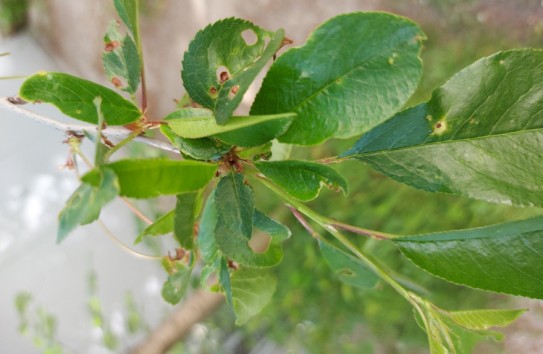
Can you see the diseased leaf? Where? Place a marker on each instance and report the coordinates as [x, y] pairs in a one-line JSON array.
[[128, 12], [480, 135], [252, 289], [301, 179], [241, 131], [177, 283], [221, 63], [347, 268], [146, 178], [161, 226], [186, 209], [121, 60], [234, 203], [207, 148], [354, 71], [503, 258], [85, 203], [75, 97], [484, 319]]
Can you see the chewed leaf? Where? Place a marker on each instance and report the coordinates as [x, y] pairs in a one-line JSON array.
[[75, 96], [177, 283], [146, 178], [504, 258], [347, 268], [354, 71], [301, 179], [121, 60], [252, 289], [222, 61], [480, 135], [128, 12], [86, 202]]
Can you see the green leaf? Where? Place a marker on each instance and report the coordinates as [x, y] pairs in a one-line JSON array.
[[484, 319], [354, 71], [177, 283], [75, 96], [146, 178], [225, 281], [301, 179], [121, 60], [128, 12], [162, 226], [186, 209], [85, 203], [200, 149], [206, 231], [234, 203], [241, 131], [480, 135], [347, 268], [502, 258], [252, 289], [220, 64]]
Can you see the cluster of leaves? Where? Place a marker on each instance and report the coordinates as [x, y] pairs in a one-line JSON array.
[[478, 136]]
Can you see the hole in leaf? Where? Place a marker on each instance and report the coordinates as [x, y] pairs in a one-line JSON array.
[[222, 74], [249, 36], [259, 242]]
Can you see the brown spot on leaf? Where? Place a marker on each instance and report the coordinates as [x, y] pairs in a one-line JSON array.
[[223, 77], [117, 82], [110, 46]]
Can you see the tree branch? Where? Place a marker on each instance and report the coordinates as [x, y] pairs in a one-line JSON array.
[[110, 132]]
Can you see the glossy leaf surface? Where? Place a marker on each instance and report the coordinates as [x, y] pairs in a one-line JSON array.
[[347, 268], [252, 289], [86, 202], [222, 62], [354, 71], [75, 97], [480, 135], [301, 179], [146, 178], [121, 60], [503, 258]]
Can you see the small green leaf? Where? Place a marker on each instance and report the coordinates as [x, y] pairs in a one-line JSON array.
[[234, 203], [301, 179], [162, 226], [221, 63], [128, 12], [484, 319], [206, 231], [186, 210], [146, 178], [503, 258], [75, 96], [241, 131], [121, 60], [480, 135], [354, 71], [347, 268], [200, 149], [225, 281], [85, 203], [177, 283], [252, 289]]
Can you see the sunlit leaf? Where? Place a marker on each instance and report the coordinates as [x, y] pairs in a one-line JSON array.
[[252, 289], [177, 283], [162, 226]]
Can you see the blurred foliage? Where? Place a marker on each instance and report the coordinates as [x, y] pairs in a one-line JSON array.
[[12, 15]]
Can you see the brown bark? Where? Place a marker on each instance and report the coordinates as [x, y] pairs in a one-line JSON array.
[[194, 309]]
